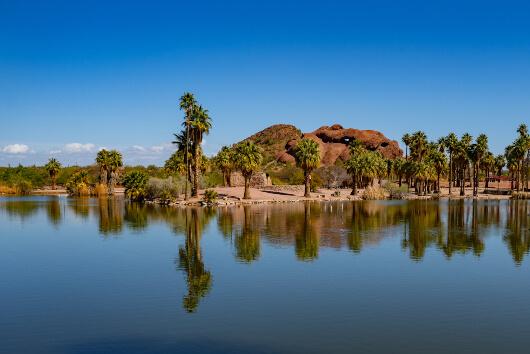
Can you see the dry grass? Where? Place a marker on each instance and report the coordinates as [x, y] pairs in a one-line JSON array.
[[520, 195], [373, 193], [101, 190], [7, 190]]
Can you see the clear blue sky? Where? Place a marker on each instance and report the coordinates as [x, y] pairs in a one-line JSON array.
[[77, 76]]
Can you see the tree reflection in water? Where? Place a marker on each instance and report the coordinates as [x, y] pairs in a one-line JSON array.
[[110, 215], [307, 241], [198, 279], [517, 233]]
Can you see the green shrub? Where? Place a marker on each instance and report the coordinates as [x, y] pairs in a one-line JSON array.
[[395, 191], [210, 196], [135, 183], [164, 189]]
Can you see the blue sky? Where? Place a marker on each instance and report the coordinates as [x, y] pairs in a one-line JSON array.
[[78, 76]]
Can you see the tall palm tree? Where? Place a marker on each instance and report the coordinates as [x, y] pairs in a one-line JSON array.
[[488, 164], [353, 165], [224, 161], [247, 158], [524, 138], [307, 155], [439, 162], [406, 140], [187, 104], [450, 143], [53, 167], [199, 125], [115, 162], [103, 161]]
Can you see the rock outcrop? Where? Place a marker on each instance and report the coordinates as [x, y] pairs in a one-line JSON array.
[[279, 141]]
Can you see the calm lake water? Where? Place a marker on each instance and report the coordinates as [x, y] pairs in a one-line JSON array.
[[102, 276]]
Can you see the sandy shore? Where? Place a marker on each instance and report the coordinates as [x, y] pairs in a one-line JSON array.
[[234, 195]]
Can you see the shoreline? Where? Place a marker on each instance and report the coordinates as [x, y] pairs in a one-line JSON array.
[[286, 194]]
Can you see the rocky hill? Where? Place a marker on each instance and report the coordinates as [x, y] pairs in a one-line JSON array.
[[278, 142]]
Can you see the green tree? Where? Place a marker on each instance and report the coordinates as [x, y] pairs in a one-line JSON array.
[[307, 155], [53, 167], [247, 159]]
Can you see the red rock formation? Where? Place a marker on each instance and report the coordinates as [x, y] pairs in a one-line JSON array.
[[333, 142], [279, 142]]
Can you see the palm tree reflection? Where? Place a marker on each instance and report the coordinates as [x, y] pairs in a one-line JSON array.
[[517, 234], [199, 280], [307, 241]]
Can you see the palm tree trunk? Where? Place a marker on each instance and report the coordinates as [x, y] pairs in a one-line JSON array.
[[307, 180], [438, 183], [247, 188], [53, 182], [197, 170], [186, 157], [450, 172]]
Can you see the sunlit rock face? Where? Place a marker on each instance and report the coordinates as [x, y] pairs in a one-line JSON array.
[[279, 142]]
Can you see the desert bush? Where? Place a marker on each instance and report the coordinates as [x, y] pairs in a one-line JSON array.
[[7, 189], [166, 189], [395, 191], [520, 195], [335, 194], [23, 187], [287, 174], [211, 180], [100, 190], [210, 196], [332, 176], [78, 184], [135, 183], [373, 193]]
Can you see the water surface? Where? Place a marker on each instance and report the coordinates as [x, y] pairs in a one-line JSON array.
[[100, 276]]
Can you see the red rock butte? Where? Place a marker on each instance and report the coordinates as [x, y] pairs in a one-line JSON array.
[[279, 141]]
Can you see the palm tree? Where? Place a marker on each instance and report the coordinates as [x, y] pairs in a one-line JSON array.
[[398, 166], [524, 138], [450, 143], [199, 125], [439, 162], [353, 165], [175, 164], [488, 163], [418, 146], [53, 167], [247, 158], [115, 162], [500, 161], [224, 161], [102, 159], [187, 104], [406, 140], [307, 155]]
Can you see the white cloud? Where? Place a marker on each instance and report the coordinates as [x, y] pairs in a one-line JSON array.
[[16, 149], [78, 147], [138, 148], [53, 152], [157, 148]]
